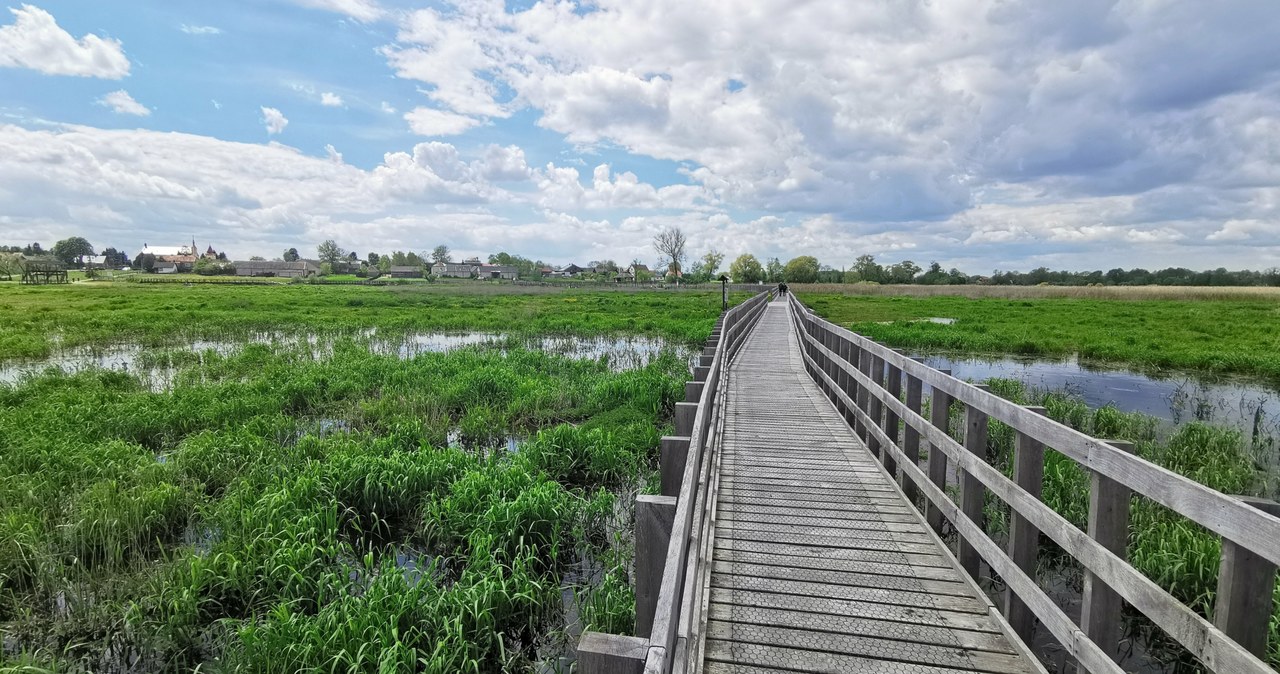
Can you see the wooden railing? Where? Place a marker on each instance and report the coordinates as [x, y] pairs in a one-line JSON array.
[[880, 392], [670, 540]]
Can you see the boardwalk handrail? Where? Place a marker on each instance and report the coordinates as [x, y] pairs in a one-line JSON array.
[[866, 380], [666, 647]]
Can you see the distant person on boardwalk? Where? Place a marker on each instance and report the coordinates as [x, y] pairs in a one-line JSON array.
[[782, 289]]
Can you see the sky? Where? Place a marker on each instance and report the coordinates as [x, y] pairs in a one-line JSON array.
[[981, 134]]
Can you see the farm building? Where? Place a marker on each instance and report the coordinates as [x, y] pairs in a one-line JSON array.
[[497, 271], [405, 271], [171, 259], [299, 269], [454, 270]]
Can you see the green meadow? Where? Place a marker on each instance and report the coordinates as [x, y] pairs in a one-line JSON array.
[[1240, 335]]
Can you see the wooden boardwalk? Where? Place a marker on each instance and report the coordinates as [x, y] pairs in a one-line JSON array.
[[819, 564]]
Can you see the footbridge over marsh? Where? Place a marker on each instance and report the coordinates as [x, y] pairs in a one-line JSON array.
[[824, 509]]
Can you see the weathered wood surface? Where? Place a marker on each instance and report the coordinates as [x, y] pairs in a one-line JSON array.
[[1205, 641], [818, 563]]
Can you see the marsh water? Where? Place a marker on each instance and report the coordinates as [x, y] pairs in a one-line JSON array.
[[159, 364]]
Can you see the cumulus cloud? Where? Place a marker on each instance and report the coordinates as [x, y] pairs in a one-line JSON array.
[[331, 100], [123, 104], [274, 120], [432, 122], [360, 10], [35, 41], [200, 30]]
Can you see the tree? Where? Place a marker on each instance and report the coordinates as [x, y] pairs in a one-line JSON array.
[[670, 245], [803, 269], [145, 262], [353, 256], [68, 250], [903, 272], [291, 255], [373, 259], [330, 252], [10, 264], [440, 255], [868, 269], [773, 271], [711, 261], [257, 258], [746, 269]]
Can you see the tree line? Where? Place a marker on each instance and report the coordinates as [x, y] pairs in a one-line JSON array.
[[671, 245]]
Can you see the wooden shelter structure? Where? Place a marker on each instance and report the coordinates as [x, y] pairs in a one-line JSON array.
[[42, 272]]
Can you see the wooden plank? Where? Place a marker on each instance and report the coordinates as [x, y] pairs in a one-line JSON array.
[[781, 559], [735, 654], [891, 650], [899, 583], [861, 610], [821, 593], [655, 516], [869, 627], [611, 654]]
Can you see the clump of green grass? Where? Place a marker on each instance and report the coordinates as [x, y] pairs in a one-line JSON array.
[[275, 511]]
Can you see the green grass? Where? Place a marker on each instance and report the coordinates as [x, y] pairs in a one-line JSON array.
[[33, 319], [1239, 337], [275, 512]]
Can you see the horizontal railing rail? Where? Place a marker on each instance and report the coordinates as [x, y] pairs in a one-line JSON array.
[[880, 392], [673, 551]]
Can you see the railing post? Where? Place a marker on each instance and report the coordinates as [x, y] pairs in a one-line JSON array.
[[655, 516], [611, 654], [858, 358], [911, 437], [893, 385], [842, 378], [875, 408], [1109, 526], [693, 391], [1244, 604], [940, 417], [972, 494], [685, 414], [673, 453], [1024, 539], [700, 372]]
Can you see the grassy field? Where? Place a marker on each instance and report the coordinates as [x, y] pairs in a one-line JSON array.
[[35, 321], [1143, 327], [275, 511]]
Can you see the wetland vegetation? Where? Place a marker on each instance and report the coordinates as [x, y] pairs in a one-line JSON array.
[[280, 507]]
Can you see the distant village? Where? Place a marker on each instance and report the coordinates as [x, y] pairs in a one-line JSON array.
[[331, 260]]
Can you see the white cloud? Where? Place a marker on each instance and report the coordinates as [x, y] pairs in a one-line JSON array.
[[200, 30], [332, 153], [274, 120], [216, 104], [360, 10], [36, 41], [431, 122], [331, 100], [388, 108], [123, 104]]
